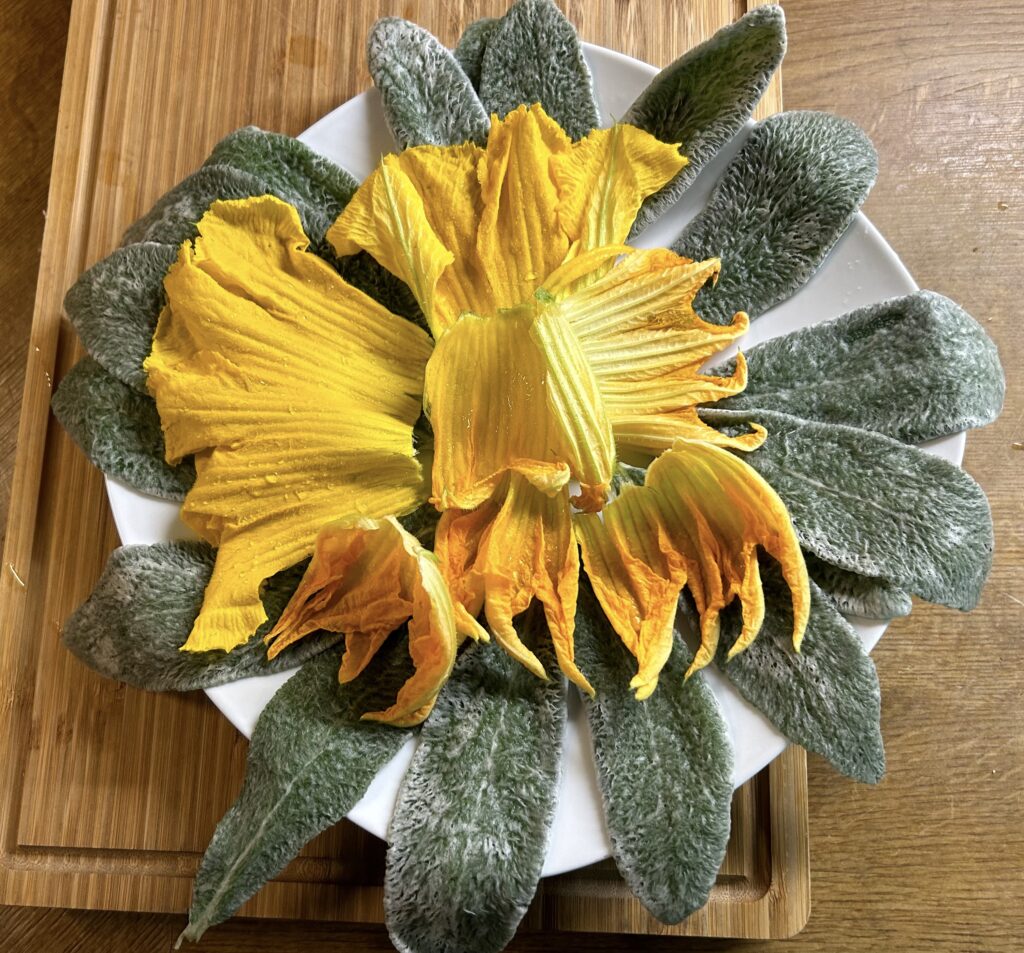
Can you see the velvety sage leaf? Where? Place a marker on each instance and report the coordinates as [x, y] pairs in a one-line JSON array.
[[913, 368], [310, 760], [119, 430], [778, 208], [173, 218], [874, 506], [664, 766], [703, 99], [852, 594], [534, 56], [427, 98], [292, 171], [115, 304], [470, 49], [132, 626], [470, 829], [824, 697]]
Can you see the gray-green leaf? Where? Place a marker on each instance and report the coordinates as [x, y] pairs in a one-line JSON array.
[[665, 769], [310, 760], [534, 56], [826, 697], [114, 307], [703, 99], [874, 506], [778, 208], [470, 49], [471, 826], [852, 594], [427, 98], [132, 626], [119, 430], [293, 172], [173, 218], [913, 368]]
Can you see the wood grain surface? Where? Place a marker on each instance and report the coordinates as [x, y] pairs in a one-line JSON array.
[[933, 857]]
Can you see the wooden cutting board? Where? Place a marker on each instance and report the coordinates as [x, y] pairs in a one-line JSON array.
[[109, 795]]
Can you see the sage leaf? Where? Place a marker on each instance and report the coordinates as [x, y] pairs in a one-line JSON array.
[[862, 596], [427, 98], [471, 826], [703, 99], [664, 766], [876, 507], [114, 307], [172, 220], [534, 56], [824, 697], [470, 49], [914, 368], [310, 760], [293, 172], [119, 430], [132, 626], [778, 208]]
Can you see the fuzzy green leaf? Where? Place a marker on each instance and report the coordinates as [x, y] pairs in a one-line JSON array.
[[471, 46], [173, 218], [470, 829], [778, 208], [132, 626], [913, 368], [119, 430], [114, 307], [862, 596], [876, 507], [664, 766], [534, 56], [293, 172], [703, 99], [826, 697], [310, 760], [427, 98]]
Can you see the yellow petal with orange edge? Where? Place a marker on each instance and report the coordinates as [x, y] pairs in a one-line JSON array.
[[698, 521], [512, 393], [296, 393], [529, 551], [603, 179], [417, 214], [366, 578]]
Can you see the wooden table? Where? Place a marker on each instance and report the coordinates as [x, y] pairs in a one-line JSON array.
[[935, 855]]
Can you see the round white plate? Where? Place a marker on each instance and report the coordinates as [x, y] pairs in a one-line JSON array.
[[860, 270]]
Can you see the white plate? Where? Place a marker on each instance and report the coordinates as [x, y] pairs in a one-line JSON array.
[[860, 270]]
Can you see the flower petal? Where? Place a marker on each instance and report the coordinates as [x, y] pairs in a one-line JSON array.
[[288, 386], [605, 177], [366, 579], [530, 552], [512, 392], [520, 241], [697, 521]]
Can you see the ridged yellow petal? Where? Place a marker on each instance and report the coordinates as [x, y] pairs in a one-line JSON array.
[[603, 179], [366, 578], [512, 392], [698, 522], [502, 556], [520, 240], [417, 214], [296, 392]]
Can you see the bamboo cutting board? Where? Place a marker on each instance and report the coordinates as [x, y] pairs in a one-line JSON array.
[[108, 795]]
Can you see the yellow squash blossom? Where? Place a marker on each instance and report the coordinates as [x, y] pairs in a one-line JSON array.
[[557, 351]]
